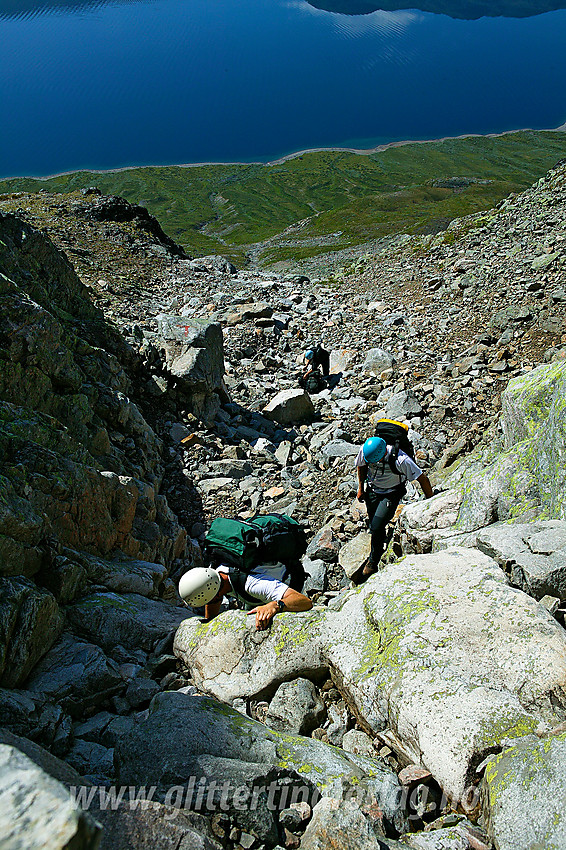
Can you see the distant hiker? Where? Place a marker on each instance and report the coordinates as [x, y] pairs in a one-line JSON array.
[[383, 469], [256, 561], [207, 586], [317, 359]]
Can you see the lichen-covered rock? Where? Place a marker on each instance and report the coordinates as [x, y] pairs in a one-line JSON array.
[[30, 623], [534, 553], [187, 736], [36, 812], [522, 479], [523, 791], [442, 652], [436, 651], [129, 620], [229, 658]]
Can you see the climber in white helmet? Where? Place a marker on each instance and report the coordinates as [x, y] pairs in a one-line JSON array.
[[207, 586]]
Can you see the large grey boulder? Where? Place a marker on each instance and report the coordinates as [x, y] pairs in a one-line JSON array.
[[441, 652], [230, 659], [129, 620], [524, 789], [75, 674], [36, 812], [420, 522], [437, 652], [194, 356], [290, 406], [189, 738], [30, 623], [535, 554]]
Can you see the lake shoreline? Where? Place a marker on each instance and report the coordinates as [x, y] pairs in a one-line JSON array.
[[296, 154]]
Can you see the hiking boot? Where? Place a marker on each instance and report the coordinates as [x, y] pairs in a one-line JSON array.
[[363, 572]]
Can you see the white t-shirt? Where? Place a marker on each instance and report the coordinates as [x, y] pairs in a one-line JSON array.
[[264, 582], [381, 478]]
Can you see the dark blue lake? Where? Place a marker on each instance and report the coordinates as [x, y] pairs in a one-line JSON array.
[[110, 84]]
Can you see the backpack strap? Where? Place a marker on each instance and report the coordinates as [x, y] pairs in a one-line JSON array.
[[238, 582], [391, 458]]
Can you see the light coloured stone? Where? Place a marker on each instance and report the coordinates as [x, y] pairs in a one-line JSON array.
[[36, 812], [290, 406], [534, 552], [377, 361], [420, 521], [353, 554]]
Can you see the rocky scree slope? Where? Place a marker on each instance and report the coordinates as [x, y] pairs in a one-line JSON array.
[[141, 371]]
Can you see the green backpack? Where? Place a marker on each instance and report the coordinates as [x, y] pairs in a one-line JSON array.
[[243, 545]]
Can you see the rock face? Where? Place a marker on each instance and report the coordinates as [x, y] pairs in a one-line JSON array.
[[498, 669], [195, 738], [524, 788], [87, 537], [30, 622], [533, 420], [534, 553], [68, 420]]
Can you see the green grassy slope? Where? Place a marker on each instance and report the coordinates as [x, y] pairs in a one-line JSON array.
[[340, 198]]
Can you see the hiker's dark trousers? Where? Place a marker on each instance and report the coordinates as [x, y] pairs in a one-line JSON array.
[[381, 510]]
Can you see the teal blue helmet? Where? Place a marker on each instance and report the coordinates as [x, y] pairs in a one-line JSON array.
[[374, 449], [309, 354]]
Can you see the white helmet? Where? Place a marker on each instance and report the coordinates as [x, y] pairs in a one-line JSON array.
[[199, 586]]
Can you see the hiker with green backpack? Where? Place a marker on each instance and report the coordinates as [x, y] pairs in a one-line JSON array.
[[384, 464], [254, 561]]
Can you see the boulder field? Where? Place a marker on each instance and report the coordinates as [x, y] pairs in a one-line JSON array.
[[142, 394]]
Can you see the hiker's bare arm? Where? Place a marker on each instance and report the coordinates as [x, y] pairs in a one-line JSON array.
[[362, 475], [293, 600], [212, 610], [425, 485]]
